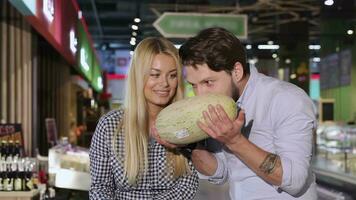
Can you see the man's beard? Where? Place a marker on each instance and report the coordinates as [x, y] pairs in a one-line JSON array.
[[235, 91]]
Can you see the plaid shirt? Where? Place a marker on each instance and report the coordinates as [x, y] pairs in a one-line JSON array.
[[108, 180]]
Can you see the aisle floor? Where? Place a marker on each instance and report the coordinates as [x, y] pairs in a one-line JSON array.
[[209, 191]]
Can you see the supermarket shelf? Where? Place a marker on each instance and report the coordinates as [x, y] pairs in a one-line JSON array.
[[21, 195]]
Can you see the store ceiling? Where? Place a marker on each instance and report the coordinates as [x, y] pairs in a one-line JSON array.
[[109, 21]]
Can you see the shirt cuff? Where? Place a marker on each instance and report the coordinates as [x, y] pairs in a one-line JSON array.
[[287, 174], [220, 174]]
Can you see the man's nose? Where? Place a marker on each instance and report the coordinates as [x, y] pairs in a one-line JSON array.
[[199, 91]]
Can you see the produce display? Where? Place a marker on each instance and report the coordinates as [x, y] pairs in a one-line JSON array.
[[69, 157], [337, 144]]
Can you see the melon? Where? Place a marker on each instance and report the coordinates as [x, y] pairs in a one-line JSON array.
[[177, 123]]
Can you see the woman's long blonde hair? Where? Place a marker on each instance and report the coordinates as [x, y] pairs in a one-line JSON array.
[[136, 127]]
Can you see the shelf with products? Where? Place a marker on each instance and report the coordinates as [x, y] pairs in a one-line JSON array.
[[17, 173]]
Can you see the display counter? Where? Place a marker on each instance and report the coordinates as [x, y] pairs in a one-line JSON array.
[[334, 162], [68, 167]]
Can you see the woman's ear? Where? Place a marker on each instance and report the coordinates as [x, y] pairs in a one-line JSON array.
[[238, 72]]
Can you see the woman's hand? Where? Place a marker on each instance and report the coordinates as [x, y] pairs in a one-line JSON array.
[[155, 135]]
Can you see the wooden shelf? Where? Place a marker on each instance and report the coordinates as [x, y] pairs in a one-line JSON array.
[[21, 195]]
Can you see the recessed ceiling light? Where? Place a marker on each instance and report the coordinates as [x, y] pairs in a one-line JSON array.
[[329, 2], [134, 27]]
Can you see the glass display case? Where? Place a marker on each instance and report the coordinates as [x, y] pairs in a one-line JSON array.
[[337, 144], [69, 167], [335, 155]]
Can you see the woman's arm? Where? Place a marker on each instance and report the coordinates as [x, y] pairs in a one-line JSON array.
[[102, 186]]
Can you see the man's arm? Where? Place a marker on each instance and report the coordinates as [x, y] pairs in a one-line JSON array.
[[219, 126], [265, 164], [211, 166], [204, 161]]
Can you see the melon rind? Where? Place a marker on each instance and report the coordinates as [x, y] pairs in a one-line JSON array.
[[177, 123]]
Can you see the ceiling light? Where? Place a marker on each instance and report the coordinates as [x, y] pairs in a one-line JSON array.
[[270, 42], [316, 59], [114, 45], [329, 2], [133, 39], [288, 61], [137, 20], [267, 46], [248, 46], [134, 33], [274, 55], [134, 27], [314, 47], [253, 61], [350, 32]]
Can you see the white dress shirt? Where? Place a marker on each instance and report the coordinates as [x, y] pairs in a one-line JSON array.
[[283, 119]]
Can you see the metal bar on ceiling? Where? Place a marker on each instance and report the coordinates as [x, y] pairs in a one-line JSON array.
[[96, 16]]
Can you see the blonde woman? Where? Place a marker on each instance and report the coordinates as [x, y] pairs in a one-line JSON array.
[[126, 162]]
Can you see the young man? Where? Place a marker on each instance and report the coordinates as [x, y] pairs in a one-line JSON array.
[[267, 149]]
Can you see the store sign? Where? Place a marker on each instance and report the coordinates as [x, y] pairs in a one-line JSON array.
[[335, 70], [11, 132], [85, 55], [184, 25], [73, 41], [84, 59], [48, 10], [100, 83], [57, 21], [54, 20]]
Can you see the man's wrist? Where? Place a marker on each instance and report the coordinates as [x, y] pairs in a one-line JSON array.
[[235, 141]]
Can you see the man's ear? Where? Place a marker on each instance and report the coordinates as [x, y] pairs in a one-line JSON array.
[[238, 72]]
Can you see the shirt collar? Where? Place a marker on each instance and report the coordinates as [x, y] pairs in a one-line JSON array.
[[250, 85]]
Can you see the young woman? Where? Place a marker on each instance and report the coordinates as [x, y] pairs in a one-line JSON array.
[[126, 162]]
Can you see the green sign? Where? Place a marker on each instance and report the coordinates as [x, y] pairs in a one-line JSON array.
[[184, 25], [97, 82], [84, 53], [88, 64]]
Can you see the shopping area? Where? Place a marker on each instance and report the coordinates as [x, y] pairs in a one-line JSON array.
[[64, 63]]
